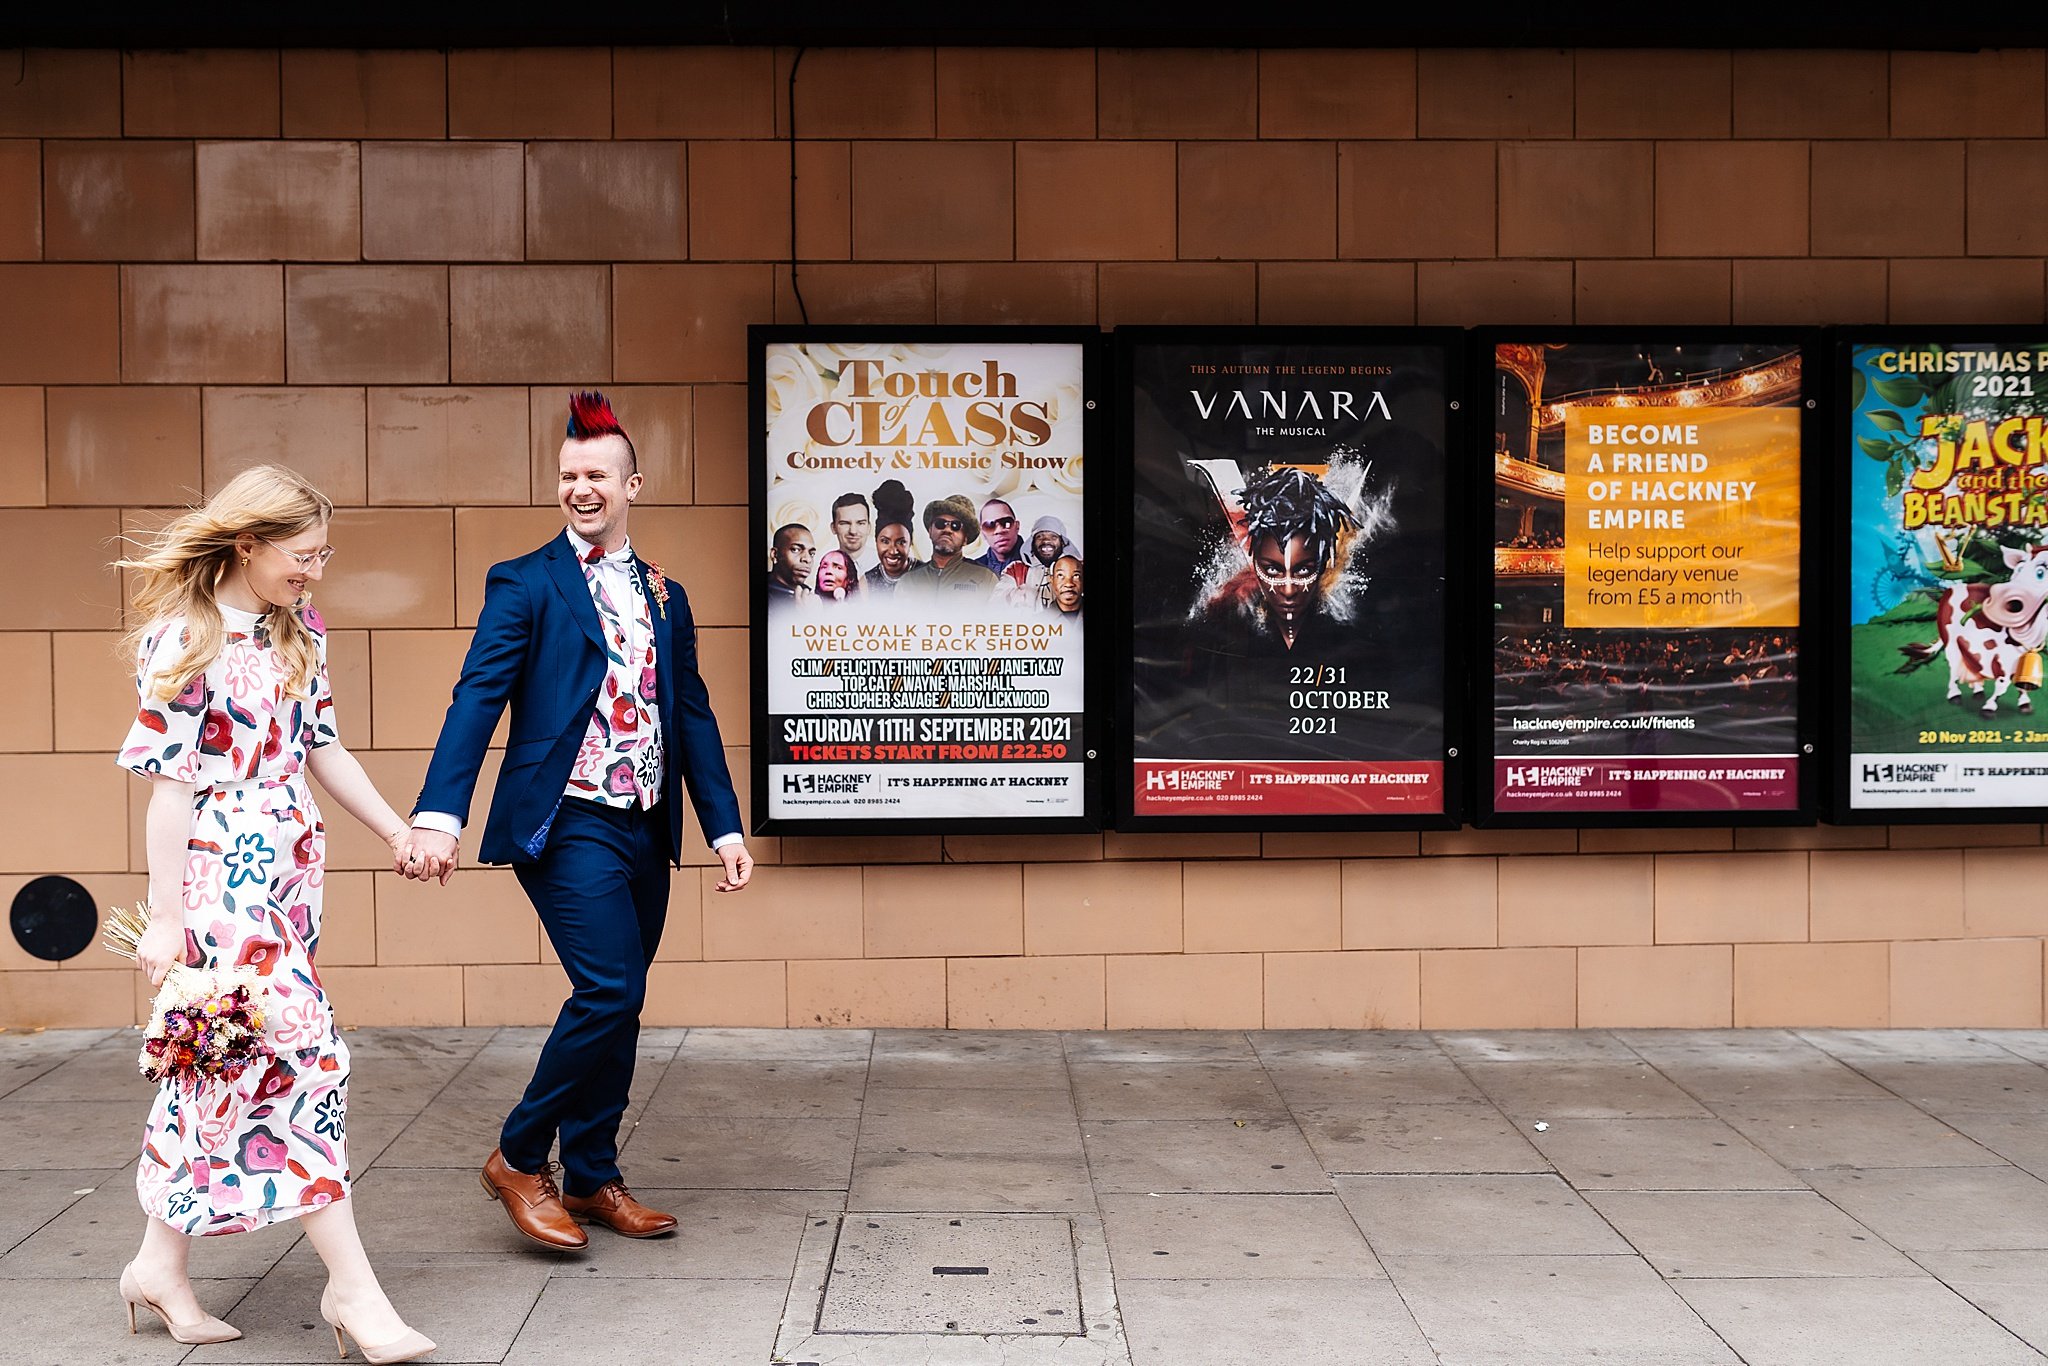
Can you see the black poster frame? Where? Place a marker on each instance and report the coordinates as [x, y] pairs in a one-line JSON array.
[[1840, 529], [1813, 597], [1451, 343], [1096, 494]]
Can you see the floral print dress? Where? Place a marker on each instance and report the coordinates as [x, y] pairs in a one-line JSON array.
[[230, 1156]]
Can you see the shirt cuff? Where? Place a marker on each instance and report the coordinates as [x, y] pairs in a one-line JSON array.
[[734, 838], [437, 820]]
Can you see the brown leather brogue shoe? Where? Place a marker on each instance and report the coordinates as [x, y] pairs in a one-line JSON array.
[[615, 1208], [534, 1202]]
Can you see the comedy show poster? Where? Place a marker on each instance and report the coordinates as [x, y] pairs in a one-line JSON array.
[[925, 580], [1287, 568], [1948, 583], [1646, 577]]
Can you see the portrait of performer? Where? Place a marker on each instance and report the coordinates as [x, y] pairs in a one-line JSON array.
[[893, 545], [1048, 543], [949, 523], [1292, 528], [789, 570], [851, 522], [1005, 539], [594, 650], [1064, 587], [837, 580]]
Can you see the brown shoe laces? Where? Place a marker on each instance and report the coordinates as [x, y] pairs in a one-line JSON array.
[[546, 1177]]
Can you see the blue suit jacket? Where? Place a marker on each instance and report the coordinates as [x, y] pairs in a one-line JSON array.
[[539, 646]]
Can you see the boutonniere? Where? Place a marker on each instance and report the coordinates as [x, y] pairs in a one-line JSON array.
[[657, 583]]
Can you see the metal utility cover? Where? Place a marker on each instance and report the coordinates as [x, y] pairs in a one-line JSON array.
[[968, 1274]]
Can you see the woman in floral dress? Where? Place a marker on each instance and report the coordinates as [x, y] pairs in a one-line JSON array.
[[235, 712]]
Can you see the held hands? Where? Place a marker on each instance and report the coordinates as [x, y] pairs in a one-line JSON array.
[[423, 855], [739, 866]]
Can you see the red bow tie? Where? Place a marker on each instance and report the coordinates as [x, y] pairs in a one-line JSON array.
[[593, 555]]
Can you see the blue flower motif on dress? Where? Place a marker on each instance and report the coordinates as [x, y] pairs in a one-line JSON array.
[[328, 1115], [249, 861]]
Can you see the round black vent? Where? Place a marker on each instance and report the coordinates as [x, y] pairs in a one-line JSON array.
[[54, 918]]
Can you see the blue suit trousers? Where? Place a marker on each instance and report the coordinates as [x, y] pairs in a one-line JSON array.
[[601, 887]]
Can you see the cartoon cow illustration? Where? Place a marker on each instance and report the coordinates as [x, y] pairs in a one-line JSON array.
[[1987, 629]]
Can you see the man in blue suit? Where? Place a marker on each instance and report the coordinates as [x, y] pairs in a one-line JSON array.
[[595, 652]]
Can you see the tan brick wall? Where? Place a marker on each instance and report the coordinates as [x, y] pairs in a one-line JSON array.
[[386, 268]]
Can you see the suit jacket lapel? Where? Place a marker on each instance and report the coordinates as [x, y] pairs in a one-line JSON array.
[[574, 588], [664, 638]]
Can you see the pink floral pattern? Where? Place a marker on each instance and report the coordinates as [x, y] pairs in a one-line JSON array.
[[236, 1155], [621, 747]]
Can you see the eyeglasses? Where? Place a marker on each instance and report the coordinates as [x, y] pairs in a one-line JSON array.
[[999, 524], [304, 561], [1302, 575], [948, 524]]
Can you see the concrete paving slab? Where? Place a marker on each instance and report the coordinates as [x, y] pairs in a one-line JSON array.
[[1174, 1091], [98, 1234], [30, 1199], [1944, 1210], [1340, 1047], [451, 1132], [1866, 1045], [797, 1045], [1214, 1155], [1582, 1090], [956, 1181], [967, 1046], [1659, 1154], [2012, 1287], [2031, 1044], [1413, 1079], [471, 1312], [1863, 1134], [400, 1086], [729, 1235], [1899, 1322], [1697, 1234], [721, 1153], [967, 1121], [1235, 1237], [651, 1323], [1733, 1071], [1514, 1311], [105, 1073], [71, 1322], [65, 1135], [1548, 1046], [779, 1089], [1472, 1137], [2020, 1139], [1498, 1216], [1299, 1322], [1974, 1086], [1156, 1045]]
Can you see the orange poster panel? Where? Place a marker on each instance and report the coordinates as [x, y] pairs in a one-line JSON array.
[[1681, 517]]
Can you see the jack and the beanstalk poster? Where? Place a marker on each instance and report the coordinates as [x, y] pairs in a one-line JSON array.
[[1948, 574]]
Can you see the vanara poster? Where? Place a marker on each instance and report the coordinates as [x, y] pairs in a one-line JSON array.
[[1287, 569]]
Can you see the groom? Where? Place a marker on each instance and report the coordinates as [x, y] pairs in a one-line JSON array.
[[596, 653]]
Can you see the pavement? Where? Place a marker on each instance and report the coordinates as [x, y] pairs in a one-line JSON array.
[[1164, 1199]]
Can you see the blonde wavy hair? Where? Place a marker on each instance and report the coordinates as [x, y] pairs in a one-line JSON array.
[[179, 569]]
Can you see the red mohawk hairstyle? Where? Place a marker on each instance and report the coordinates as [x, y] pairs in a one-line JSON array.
[[591, 416]]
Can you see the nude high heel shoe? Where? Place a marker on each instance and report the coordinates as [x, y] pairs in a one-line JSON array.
[[411, 1347], [208, 1329]]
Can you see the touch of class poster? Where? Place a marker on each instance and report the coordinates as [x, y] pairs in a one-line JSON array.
[[1287, 570], [1948, 574], [925, 580], [1646, 553]]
